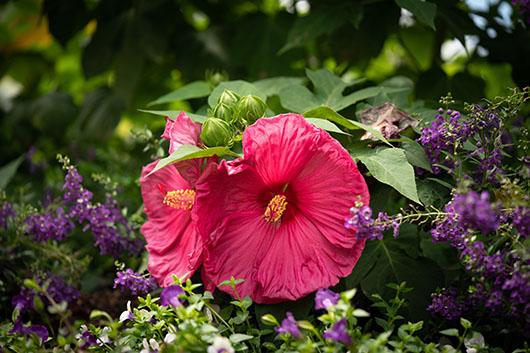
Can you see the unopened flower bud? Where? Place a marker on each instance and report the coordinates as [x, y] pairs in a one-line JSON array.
[[216, 132], [223, 111], [229, 98], [250, 108]]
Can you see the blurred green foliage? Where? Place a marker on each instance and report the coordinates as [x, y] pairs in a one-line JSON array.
[[73, 73]]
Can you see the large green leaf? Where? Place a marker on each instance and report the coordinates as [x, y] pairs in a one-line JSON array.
[[390, 166], [195, 89], [174, 113], [240, 87], [424, 11], [387, 263], [317, 23], [272, 86], [186, 152], [328, 90], [8, 171], [415, 154], [327, 113]]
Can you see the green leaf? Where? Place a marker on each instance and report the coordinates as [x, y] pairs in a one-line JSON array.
[[326, 125], [174, 113], [424, 11], [186, 152], [239, 337], [327, 113], [415, 154], [392, 265], [8, 171], [328, 90], [390, 166], [317, 23], [195, 89], [297, 98], [272, 86], [240, 87]]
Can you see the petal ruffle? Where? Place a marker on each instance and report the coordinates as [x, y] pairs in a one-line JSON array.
[[173, 242], [181, 131], [279, 147]]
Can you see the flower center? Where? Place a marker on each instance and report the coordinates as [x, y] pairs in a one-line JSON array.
[[182, 199], [275, 209]]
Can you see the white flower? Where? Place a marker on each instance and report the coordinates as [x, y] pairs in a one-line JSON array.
[[221, 345], [151, 347], [128, 314], [104, 337], [170, 337]]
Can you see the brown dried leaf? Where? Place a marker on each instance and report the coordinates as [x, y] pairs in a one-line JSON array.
[[386, 118]]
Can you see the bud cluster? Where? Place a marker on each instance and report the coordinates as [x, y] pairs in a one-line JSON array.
[[232, 113]]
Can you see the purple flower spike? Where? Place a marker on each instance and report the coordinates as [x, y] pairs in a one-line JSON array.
[[339, 333], [289, 326], [475, 211], [170, 296], [325, 298]]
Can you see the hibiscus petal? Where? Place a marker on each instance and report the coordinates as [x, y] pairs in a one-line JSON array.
[[279, 147], [172, 240], [181, 131]]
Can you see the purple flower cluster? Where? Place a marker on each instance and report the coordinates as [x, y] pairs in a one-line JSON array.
[[443, 135], [339, 332], [108, 226], [6, 213], [289, 326], [447, 304], [490, 165], [134, 282], [474, 211], [500, 280], [366, 227], [50, 225]]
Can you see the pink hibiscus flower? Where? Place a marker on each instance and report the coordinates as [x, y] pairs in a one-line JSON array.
[[275, 218], [173, 243]]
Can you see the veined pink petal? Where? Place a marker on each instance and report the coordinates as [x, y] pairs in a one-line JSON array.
[[307, 182], [279, 147], [181, 131], [173, 243]]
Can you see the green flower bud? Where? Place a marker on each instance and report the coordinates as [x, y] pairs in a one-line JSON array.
[[223, 111], [216, 132], [229, 98], [250, 108]]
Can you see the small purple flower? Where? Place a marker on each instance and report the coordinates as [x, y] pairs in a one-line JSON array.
[[474, 211], [23, 301], [521, 221], [7, 212], [289, 326], [339, 333], [59, 290], [366, 227], [135, 282], [325, 298], [39, 330], [86, 338], [170, 296]]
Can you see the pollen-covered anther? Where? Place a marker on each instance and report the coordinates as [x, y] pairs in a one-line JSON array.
[[182, 199], [275, 209]]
